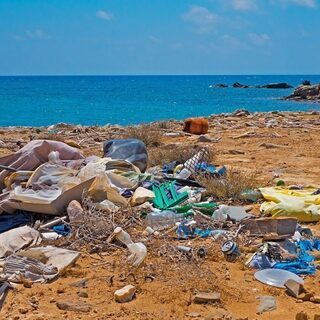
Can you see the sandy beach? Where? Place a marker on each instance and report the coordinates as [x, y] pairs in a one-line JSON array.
[[277, 145]]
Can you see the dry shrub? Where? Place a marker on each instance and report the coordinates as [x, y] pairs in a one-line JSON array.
[[51, 136], [231, 185], [146, 133], [170, 153]]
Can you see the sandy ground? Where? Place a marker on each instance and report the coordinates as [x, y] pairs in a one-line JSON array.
[[284, 145]]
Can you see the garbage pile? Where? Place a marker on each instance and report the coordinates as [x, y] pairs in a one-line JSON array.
[[50, 191]]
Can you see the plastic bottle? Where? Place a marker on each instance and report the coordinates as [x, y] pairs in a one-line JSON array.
[[163, 219], [122, 236], [184, 174]]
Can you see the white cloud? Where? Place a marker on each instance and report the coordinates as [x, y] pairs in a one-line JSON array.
[[303, 3], [202, 18], [37, 34], [31, 34], [244, 5], [154, 39], [258, 39], [104, 15]]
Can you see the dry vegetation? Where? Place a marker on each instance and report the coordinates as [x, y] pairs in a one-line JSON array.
[[180, 153], [150, 135], [230, 185]]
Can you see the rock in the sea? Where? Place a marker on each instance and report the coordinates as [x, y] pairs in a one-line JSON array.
[[125, 294], [306, 83], [219, 85], [306, 92], [240, 85], [280, 85]]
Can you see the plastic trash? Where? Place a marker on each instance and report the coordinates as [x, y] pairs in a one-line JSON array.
[[276, 277], [163, 219], [138, 253], [251, 195], [234, 213], [230, 250], [138, 250], [132, 150], [122, 236]]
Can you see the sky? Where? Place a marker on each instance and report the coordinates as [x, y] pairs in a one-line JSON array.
[[142, 37]]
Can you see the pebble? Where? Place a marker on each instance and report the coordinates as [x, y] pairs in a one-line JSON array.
[[80, 284], [23, 310], [71, 306], [125, 294], [83, 294], [267, 303], [315, 299], [302, 316], [204, 297], [204, 138], [218, 314]]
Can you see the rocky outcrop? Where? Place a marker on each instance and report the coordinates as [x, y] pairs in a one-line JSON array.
[[239, 85], [306, 93], [219, 85], [277, 85], [280, 85]]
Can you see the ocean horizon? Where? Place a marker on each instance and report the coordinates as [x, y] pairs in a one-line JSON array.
[[127, 99]]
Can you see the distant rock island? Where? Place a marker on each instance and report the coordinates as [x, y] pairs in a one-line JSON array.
[[305, 92], [278, 85]]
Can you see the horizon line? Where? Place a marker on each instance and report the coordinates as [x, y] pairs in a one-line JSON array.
[[157, 75]]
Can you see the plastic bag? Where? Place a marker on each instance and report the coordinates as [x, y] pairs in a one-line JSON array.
[[132, 150], [101, 190]]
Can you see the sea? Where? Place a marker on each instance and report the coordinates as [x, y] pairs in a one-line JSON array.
[[126, 100]]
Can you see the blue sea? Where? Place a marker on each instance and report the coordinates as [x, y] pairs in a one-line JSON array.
[[98, 100]]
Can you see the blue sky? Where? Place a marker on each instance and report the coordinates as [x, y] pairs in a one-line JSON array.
[[159, 37]]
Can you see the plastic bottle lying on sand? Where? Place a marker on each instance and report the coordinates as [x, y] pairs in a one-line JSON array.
[[163, 219]]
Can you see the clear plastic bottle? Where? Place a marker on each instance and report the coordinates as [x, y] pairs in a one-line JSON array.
[[163, 219]]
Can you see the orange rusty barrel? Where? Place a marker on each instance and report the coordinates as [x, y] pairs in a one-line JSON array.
[[196, 125]]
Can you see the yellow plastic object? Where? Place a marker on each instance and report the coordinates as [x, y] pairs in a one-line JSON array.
[[282, 202], [17, 177], [101, 190]]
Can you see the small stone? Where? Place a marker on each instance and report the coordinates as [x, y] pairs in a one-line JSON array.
[[71, 306], [80, 284], [193, 314], [301, 316], [315, 299], [75, 212], [125, 294], [267, 303], [306, 296], [60, 290], [294, 288], [204, 138], [204, 297], [218, 314], [23, 310], [316, 317], [83, 294]]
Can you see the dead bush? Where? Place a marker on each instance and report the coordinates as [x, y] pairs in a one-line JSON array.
[[51, 136], [170, 153], [146, 133], [231, 185]]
